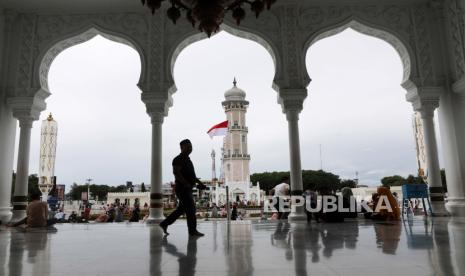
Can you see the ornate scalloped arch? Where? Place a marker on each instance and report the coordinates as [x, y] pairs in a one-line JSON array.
[[194, 36], [58, 44], [395, 40]]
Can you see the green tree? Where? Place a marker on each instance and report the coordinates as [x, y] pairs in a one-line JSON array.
[[142, 187], [348, 183], [395, 180], [95, 190], [313, 180]]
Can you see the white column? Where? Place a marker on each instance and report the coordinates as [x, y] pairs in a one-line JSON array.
[[7, 147], [22, 170], [296, 170], [449, 137], [434, 171], [156, 180]]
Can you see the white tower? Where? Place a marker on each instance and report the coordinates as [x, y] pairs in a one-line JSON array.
[[236, 158], [48, 145]]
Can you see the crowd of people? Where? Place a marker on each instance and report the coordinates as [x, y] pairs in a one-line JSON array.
[[383, 197], [38, 211]]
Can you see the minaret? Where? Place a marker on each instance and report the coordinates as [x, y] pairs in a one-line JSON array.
[[236, 158], [213, 166], [48, 145]]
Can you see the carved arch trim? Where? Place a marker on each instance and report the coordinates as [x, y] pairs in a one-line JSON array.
[[404, 50], [251, 35], [71, 38]]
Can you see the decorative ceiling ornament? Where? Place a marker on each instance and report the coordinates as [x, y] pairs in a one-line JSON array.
[[209, 14]]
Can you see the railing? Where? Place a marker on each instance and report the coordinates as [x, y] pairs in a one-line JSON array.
[[235, 127], [236, 155]]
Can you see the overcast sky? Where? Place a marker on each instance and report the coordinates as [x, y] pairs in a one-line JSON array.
[[356, 110]]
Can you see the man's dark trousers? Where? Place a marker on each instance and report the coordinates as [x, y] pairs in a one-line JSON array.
[[186, 205]]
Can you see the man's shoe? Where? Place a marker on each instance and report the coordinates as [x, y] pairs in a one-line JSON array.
[[196, 234], [165, 228]]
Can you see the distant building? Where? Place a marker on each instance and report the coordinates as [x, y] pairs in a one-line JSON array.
[[129, 198]]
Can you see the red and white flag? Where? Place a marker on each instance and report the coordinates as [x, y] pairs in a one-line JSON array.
[[218, 130]]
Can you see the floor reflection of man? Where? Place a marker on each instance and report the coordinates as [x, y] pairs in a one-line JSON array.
[[188, 261]]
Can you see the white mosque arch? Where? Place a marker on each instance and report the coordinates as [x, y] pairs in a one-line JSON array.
[[58, 45], [389, 36], [193, 37]]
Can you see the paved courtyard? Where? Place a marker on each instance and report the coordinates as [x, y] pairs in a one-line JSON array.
[[432, 247]]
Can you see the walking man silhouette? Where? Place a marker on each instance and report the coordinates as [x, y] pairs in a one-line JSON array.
[[185, 180]]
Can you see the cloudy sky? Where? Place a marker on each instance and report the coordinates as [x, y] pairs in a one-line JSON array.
[[355, 110]]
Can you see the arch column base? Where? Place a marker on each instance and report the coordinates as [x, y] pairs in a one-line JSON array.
[[456, 207], [156, 216], [298, 215], [439, 209], [18, 215], [5, 214]]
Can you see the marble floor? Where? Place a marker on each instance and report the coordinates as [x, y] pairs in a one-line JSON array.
[[417, 247]]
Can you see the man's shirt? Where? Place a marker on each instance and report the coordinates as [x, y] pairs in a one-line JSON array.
[[187, 168]]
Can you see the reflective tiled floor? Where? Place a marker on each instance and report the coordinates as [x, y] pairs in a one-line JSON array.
[[432, 247]]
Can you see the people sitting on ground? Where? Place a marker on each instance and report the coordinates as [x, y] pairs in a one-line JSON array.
[[214, 211], [391, 211], [111, 213], [36, 214], [103, 217], [73, 217], [330, 215], [311, 200], [119, 213], [86, 212], [234, 212], [135, 214], [347, 197], [83, 218], [372, 205], [239, 216], [60, 216]]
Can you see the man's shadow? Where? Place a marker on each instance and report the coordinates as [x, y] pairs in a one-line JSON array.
[[187, 262]]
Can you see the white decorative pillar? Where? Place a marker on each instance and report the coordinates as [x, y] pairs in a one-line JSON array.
[[22, 170], [157, 104], [451, 118], [156, 191], [26, 110], [296, 169], [436, 190], [7, 147], [291, 100]]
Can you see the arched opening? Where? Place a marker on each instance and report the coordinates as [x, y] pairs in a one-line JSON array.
[[95, 100], [203, 72], [357, 113]]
